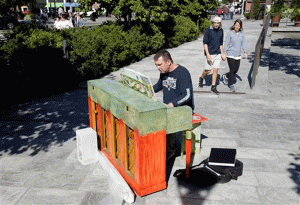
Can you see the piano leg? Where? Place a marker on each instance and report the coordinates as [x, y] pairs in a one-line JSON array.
[[188, 144], [188, 149]]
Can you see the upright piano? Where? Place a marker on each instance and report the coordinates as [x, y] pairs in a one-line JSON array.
[[132, 129]]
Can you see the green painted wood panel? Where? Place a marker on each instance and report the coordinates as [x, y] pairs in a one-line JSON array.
[[179, 118]]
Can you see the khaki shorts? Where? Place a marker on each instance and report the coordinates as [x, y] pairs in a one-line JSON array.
[[215, 62]]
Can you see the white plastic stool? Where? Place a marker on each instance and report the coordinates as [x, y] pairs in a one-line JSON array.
[[87, 150]]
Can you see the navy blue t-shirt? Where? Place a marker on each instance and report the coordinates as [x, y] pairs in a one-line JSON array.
[[177, 87], [214, 39]]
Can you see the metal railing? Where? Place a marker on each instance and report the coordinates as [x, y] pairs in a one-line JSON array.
[[259, 49]]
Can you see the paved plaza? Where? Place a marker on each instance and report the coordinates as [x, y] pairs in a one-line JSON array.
[[38, 156]]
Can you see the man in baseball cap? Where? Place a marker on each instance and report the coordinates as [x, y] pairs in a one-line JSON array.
[[213, 50]]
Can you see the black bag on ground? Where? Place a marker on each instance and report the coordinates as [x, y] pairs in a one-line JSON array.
[[222, 174], [225, 173]]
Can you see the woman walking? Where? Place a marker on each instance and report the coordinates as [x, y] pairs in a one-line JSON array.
[[234, 43]]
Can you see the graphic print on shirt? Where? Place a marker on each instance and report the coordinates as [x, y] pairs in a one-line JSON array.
[[170, 83]]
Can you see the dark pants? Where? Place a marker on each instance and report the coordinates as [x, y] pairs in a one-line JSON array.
[[173, 144], [234, 66]]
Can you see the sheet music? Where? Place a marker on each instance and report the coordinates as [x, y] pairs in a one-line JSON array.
[[134, 84]]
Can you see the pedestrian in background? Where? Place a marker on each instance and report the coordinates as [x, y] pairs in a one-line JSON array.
[[235, 42], [79, 21], [64, 23], [56, 23], [219, 12], [231, 11], [226, 13], [213, 50], [60, 11], [71, 19]]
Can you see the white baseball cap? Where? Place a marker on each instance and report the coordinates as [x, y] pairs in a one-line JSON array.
[[217, 19]]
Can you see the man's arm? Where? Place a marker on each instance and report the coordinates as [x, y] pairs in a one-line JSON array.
[[185, 89], [205, 44], [208, 56], [222, 53], [221, 47], [244, 46], [158, 86]]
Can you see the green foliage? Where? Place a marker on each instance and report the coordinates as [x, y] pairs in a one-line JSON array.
[[184, 30], [33, 56], [153, 11], [278, 7], [247, 15], [256, 8], [295, 4], [204, 24], [226, 2], [296, 9], [295, 12], [105, 48]]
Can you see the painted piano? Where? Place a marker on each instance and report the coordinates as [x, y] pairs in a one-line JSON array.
[[131, 130]]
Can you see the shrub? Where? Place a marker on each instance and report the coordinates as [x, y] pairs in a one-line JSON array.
[[247, 15], [102, 49], [178, 30], [32, 57], [205, 23]]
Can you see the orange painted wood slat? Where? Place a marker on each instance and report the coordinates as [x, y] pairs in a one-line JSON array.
[[122, 143], [118, 139], [113, 136], [109, 128], [90, 112], [131, 151], [100, 126], [106, 129]]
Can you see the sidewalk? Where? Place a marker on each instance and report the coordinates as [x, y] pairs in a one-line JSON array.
[[38, 162]]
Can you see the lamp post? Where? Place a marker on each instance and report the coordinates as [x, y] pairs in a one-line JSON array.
[[243, 7]]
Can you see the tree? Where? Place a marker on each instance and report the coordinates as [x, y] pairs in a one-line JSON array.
[[256, 8], [226, 2], [152, 11]]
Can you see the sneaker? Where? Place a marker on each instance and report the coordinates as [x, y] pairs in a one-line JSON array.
[[200, 83], [224, 79], [214, 90], [232, 88]]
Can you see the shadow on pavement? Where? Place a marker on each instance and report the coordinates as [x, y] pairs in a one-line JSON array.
[[199, 184], [208, 80], [264, 62], [285, 62], [39, 124], [295, 171], [283, 42]]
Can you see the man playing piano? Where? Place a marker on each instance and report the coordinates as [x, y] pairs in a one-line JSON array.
[[176, 83]]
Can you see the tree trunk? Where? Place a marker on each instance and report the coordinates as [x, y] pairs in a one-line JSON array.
[[297, 21]]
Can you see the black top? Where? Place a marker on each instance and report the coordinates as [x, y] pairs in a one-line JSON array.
[[214, 39], [177, 87]]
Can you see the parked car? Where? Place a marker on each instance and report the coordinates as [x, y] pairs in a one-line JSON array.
[[8, 22]]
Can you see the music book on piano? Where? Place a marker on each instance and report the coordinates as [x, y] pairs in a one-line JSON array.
[[222, 157], [138, 82]]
